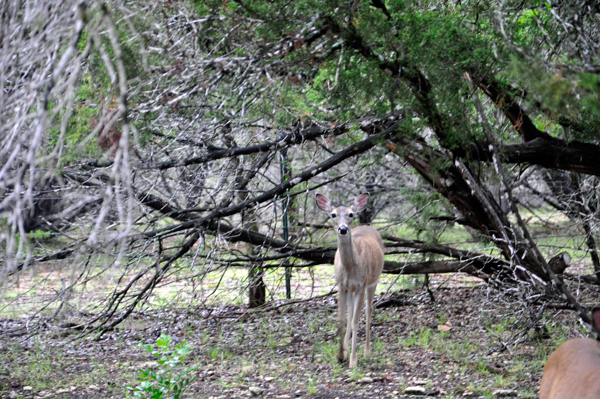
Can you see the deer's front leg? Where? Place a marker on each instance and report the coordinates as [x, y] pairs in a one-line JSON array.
[[349, 325], [342, 307], [356, 300]]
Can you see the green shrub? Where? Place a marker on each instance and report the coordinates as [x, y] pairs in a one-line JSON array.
[[169, 381]]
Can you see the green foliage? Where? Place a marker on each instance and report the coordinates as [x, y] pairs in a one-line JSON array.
[[170, 380], [529, 25], [218, 354], [95, 87], [566, 99], [129, 54], [39, 235], [312, 389], [427, 205]]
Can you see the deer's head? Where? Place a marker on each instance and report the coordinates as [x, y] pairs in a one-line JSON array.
[[342, 216]]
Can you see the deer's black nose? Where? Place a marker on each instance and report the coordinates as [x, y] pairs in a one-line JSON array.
[[343, 230]]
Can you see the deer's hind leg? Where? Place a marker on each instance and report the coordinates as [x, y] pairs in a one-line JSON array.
[[370, 291]]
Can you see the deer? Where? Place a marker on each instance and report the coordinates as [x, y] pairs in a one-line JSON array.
[[573, 370], [358, 264]]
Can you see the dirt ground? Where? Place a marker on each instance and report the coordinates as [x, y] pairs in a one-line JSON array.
[[447, 343]]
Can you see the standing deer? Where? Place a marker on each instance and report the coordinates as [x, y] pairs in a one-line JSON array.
[[573, 370], [358, 264]]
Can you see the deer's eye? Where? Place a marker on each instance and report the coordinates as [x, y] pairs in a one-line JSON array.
[[351, 215], [334, 215]]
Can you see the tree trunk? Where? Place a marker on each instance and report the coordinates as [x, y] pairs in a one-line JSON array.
[[257, 290]]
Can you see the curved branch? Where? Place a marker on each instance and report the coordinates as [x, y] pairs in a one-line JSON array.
[[477, 264], [289, 139], [552, 154], [280, 189], [511, 109]]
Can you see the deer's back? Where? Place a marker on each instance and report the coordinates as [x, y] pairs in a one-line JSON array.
[[573, 371]]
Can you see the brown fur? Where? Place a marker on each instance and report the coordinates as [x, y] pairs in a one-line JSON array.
[[573, 370], [358, 264], [368, 245]]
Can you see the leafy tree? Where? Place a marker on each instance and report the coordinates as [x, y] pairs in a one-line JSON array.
[[159, 125]]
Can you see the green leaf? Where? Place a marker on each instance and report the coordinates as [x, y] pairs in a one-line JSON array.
[[164, 341]]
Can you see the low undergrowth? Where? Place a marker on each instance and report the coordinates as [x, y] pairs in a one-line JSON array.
[[464, 343]]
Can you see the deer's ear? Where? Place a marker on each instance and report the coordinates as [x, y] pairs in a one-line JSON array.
[[323, 203], [360, 202], [596, 319]]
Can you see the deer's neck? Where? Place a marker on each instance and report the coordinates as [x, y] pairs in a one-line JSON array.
[[347, 252]]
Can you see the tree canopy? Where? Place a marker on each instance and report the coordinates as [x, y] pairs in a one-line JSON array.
[[154, 137]]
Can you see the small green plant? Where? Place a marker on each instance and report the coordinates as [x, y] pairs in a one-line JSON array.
[[271, 340], [481, 368], [328, 352], [378, 346], [205, 337], [214, 353], [424, 337], [500, 381], [311, 386], [169, 381], [40, 235], [357, 373], [336, 370]]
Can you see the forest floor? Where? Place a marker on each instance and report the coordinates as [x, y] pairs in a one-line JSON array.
[[447, 343]]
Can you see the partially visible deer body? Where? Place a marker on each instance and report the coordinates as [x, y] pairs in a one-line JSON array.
[[573, 370], [358, 264]]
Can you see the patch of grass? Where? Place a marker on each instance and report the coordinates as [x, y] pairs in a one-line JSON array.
[[459, 350], [336, 369], [312, 390], [409, 341], [443, 319], [205, 337], [40, 367], [377, 347], [424, 337], [481, 368], [328, 352], [501, 327], [379, 317], [246, 369], [241, 354], [55, 368], [500, 381], [409, 282], [357, 373], [271, 340], [559, 333], [217, 353]]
